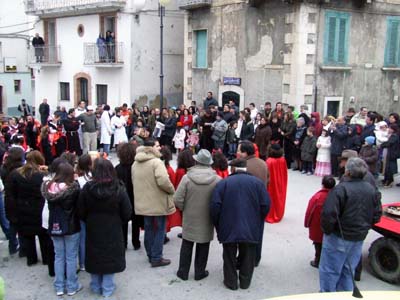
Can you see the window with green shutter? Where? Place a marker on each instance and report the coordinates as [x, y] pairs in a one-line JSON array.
[[392, 48], [201, 49], [336, 38]]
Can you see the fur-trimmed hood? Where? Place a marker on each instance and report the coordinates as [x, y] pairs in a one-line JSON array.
[[144, 153], [58, 196]]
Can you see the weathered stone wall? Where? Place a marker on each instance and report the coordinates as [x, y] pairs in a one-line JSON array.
[[367, 81], [245, 42]]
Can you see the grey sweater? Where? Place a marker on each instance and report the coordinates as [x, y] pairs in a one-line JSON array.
[[89, 122]]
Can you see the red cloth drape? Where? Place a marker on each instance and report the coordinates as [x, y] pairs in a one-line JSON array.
[[278, 178], [222, 174], [176, 218]]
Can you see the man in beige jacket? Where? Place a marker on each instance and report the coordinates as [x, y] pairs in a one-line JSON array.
[[153, 193]]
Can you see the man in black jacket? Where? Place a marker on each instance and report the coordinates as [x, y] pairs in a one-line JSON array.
[[238, 208], [38, 44], [348, 213], [209, 101], [44, 110]]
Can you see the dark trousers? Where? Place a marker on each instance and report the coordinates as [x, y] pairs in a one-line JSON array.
[[335, 164], [29, 247], [318, 249], [135, 234], [307, 166], [200, 259], [247, 256]]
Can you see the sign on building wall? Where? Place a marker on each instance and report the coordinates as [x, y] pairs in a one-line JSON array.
[[232, 81]]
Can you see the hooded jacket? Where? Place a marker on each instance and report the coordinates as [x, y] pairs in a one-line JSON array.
[[317, 123], [193, 197], [62, 203], [104, 207], [153, 190]]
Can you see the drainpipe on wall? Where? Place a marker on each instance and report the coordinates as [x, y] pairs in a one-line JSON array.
[[316, 69]]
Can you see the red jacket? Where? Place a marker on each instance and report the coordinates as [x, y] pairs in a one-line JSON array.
[[188, 122], [312, 220]]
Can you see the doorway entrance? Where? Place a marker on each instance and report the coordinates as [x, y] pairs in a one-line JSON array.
[[82, 88], [333, 106], [231, 92], [227, 96]]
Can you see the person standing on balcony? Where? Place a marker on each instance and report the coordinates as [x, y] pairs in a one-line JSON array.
[[101, 45], [38, 44], [110, 42], [44, 110]]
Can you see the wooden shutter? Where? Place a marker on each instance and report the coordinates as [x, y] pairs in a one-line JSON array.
[[392, 43], [331, 39], [341, 46], [201, 49]]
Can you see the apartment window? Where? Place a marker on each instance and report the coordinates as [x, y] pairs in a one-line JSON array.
[[64, 91], [101, 94], [336, 38], [392, 48], [17, 86], [201, 49]]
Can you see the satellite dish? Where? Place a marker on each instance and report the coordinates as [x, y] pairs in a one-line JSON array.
[[139, 5]]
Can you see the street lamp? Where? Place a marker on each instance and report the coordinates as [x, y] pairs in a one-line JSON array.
[[161, 12]]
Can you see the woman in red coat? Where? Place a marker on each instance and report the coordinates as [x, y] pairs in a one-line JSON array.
[[277, 187], [186, 119], [185, 161], [312, 219]]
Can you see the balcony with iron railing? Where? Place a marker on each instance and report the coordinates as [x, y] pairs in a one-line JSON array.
[[103, 56], [45, 56], [192, 4], [62, 8]]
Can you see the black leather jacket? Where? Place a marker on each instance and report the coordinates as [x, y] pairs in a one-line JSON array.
[[354, 203]]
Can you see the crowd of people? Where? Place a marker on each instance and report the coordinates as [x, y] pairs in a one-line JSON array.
[[59, 185]]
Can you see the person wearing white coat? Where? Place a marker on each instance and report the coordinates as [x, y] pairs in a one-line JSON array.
[[106, 131], [118, 124], [323, 166]]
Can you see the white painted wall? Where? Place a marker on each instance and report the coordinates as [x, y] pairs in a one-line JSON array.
[[139, 75], [13, 13]]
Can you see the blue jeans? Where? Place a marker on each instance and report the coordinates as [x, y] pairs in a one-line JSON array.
[[334, 271], [106, 148], [66, 255], [82, 246], [102, 284], [154, 233], [5, 225], [232, 149]]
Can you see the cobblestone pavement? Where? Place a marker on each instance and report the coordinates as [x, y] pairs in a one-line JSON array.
[[284, 268]]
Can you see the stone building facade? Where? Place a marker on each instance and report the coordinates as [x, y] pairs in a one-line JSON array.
[[330, 55]]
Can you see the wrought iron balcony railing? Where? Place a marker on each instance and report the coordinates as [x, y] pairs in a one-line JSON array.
[[103, 54], [46, 55]]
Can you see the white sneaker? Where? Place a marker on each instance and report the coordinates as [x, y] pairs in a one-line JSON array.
[[80, 287], [60, 293]]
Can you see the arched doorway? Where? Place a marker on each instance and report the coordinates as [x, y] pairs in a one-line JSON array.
[[227, 96], [83, 88], [228, 92]]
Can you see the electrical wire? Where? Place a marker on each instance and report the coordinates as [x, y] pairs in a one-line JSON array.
[[15, 25]]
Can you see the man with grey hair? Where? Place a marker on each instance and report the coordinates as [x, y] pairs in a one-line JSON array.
[[348, 213]]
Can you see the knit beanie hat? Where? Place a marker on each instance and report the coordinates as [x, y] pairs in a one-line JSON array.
[[370, 140]]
